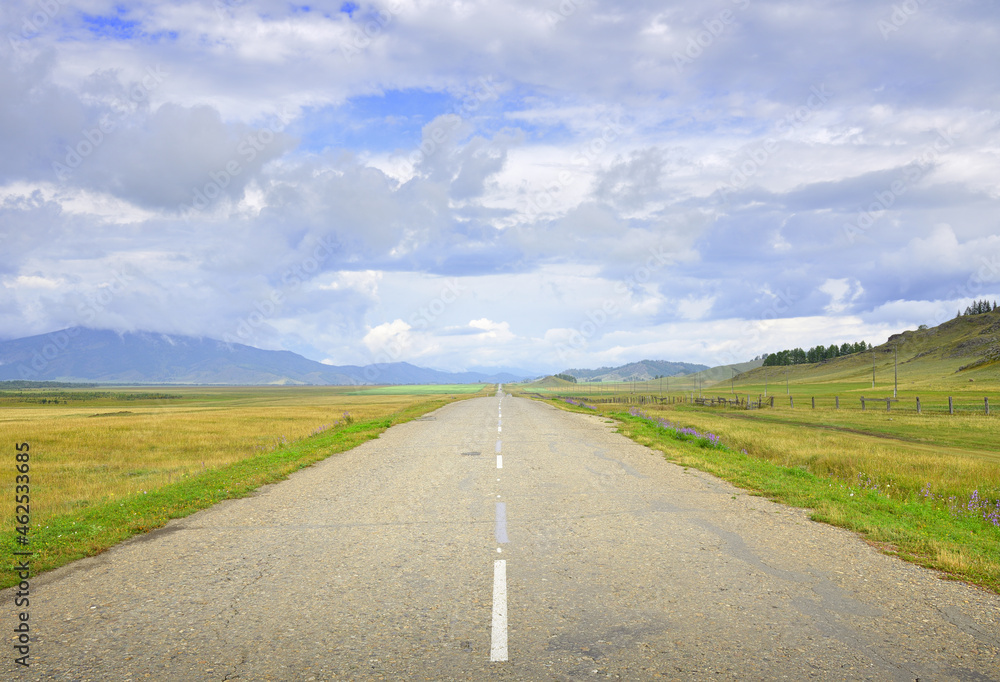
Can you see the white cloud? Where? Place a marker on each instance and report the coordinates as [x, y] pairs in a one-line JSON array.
[[574, 198], [695, 308], [365, 282], [35, 282], [492, 330], [842, 292], [389, 335]]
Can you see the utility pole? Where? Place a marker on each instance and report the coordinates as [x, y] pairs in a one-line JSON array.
[[895, 371], [786, 379], [873, 368], [732, 381], [765, 382]]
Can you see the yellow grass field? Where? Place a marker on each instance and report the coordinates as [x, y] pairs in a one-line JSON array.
[[97, 445]]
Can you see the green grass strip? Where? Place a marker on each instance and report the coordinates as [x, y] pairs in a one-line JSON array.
[[964, 548], [94, 529]]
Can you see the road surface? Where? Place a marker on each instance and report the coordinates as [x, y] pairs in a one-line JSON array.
[[503, 539]]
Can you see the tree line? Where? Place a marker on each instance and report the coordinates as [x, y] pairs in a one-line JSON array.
[[979, 307], [797, 356]]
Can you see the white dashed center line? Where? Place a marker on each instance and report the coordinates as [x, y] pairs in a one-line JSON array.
[[498, 639], [501, 524]]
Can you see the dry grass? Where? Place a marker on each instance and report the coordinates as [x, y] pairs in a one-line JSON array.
[[86, 454], [899, 468]]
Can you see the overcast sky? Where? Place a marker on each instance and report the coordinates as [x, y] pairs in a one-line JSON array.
[[479, 184]]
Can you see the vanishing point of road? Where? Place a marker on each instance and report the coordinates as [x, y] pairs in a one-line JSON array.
[[502, 539]]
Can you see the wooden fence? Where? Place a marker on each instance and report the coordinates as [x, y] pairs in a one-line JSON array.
[[914, 405]]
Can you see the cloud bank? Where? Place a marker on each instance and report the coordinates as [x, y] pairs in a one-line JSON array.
[[464, 184]]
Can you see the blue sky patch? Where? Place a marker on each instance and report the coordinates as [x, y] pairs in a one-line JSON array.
[[377, 123], [116, 27]]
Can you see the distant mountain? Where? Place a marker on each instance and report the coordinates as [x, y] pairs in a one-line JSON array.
[[519, 372], [639, 371], [79, 354]]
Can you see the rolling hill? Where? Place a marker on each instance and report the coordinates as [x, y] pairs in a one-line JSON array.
[[549, 382], [720, 373], [949, 354], [643, 370]]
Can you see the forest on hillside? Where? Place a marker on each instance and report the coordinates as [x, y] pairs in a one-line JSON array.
[[797, 356]]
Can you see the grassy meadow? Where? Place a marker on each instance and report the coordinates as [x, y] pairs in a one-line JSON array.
[[109, 463], [429, 389]]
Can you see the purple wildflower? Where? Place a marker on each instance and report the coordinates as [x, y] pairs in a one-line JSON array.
[[681, 433]]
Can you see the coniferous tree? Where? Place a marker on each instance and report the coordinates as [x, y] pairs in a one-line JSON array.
[[979, 308], [797, 356]]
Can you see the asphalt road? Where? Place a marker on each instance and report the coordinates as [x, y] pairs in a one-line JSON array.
[[507, 540]]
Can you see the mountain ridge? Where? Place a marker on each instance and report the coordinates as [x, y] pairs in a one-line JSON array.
[[84, 355]]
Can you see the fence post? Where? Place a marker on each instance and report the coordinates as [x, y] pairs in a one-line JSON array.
[[772, 402], [862, 403], [791, 402], [918, 405], [836, 402], [814, 402], [987, 401], [886, 404], [951, 406]]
